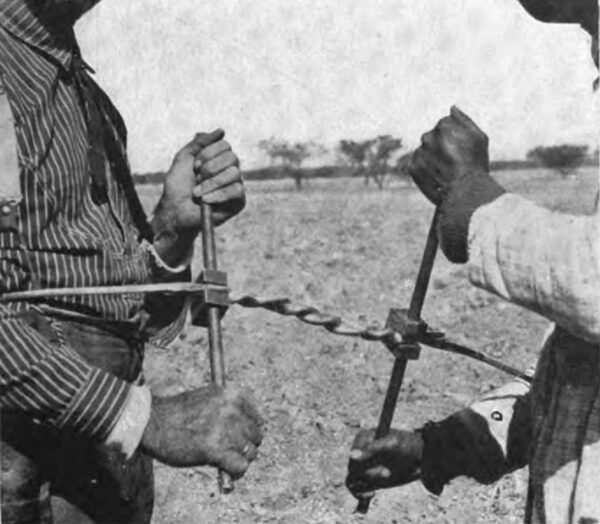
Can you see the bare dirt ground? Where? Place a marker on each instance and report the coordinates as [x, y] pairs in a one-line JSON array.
[[353, 251]]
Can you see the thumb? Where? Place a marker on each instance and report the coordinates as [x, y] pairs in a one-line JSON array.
[[205, 139], [201, 140], [462, 118], [233, 463]]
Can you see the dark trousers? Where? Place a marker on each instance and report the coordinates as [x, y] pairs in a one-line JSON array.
[[50, 476]]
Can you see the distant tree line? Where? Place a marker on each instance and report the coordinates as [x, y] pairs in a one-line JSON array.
[[373, 159], [564, 158], [378, 158], [289, 156]]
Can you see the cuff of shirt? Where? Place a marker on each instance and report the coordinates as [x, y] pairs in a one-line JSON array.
[[161, 270], [97, 406], [127, 433]]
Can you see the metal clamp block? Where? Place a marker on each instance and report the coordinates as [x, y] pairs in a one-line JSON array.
[[214, 296], [408, 328], [410, 331], [212, 276]]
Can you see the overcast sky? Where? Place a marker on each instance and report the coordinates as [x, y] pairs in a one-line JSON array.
[[332, 69]]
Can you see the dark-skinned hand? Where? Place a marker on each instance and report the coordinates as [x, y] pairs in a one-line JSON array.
[[451, 168], [454, 148], [383, 463]]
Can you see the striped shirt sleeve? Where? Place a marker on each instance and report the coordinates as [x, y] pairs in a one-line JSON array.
[[51, 383]]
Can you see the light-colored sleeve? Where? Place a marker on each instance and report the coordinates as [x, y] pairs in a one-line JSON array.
[[506, 412], [484, 441], [545, 261], [128, 430]]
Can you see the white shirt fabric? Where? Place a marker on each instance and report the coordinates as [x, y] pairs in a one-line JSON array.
[[549, 263]]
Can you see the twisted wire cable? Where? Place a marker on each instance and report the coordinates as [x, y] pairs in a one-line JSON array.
[[336, 325], [311, 315], [282, 306]]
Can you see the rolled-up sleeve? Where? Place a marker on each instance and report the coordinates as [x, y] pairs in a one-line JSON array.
[[506, 417], [485, 441], [52, 383], [545, 261]]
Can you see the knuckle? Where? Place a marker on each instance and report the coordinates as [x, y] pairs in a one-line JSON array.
[[416, 161], [208, 169], [445, 125], [416, 156], [357, 485], [238, 471], [231, 158], [239, 191], [204, 155]]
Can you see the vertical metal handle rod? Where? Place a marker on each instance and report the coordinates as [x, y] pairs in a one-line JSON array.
[[414, 313], [215, 340], [422, 283]]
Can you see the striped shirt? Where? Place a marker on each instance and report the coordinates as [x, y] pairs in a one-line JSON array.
[[66, 235]]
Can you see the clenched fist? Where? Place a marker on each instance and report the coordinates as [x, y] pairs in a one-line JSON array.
[[383, 463], [454, 148], [205, 170], [206, 426], [451, 168], [219, 179]]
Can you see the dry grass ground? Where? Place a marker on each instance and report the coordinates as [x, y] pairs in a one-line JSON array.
[[352, 251]]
